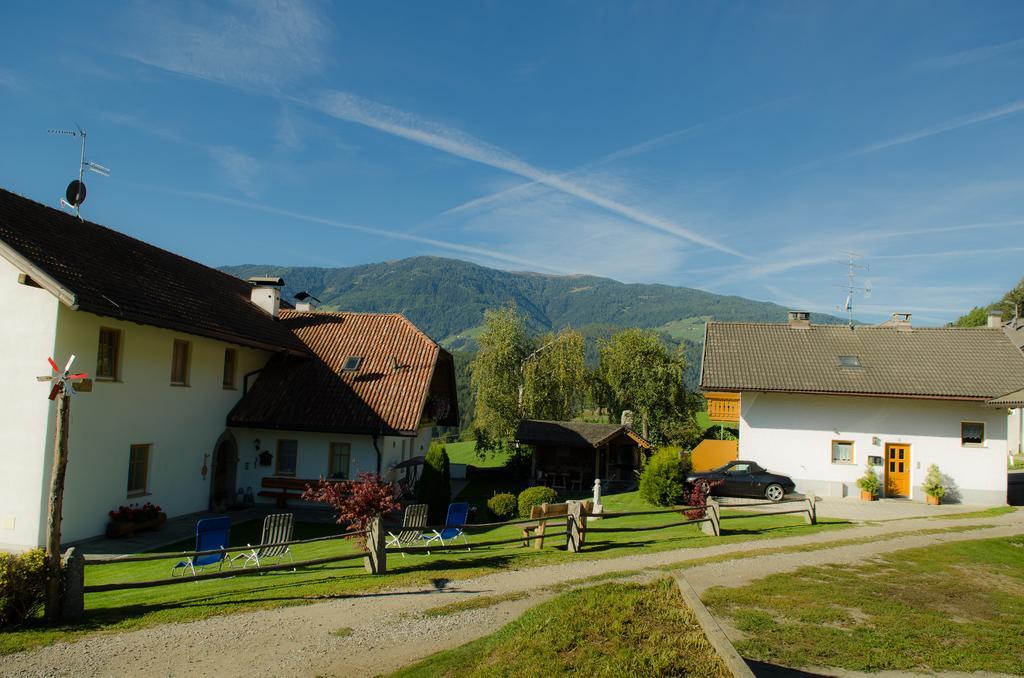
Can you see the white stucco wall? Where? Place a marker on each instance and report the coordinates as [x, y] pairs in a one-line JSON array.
[[792, 434], [181, 423], [29, 329], [1015, 431]]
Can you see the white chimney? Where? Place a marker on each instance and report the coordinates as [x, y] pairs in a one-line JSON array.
[[900, 321], [266, 293], [995, 319], [627, 418], [799, 319]]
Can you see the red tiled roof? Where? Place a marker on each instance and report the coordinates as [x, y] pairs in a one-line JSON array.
[[387, 394], [98, 270]]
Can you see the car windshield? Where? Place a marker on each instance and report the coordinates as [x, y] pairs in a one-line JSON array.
[[739, 467]]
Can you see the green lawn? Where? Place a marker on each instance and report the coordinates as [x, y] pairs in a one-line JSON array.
[[136, 608], [465, 453], [952, 607], [608, 630]]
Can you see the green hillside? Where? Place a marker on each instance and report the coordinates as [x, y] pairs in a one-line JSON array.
[[447, 298]]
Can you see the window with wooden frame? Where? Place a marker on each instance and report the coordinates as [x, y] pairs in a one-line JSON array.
[[339, 461], [972, 434], [842, 451], [179, 362], [287, 457], [138, 470], [230, 367], [108, 355]]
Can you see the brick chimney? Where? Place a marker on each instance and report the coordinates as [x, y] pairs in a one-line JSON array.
[[266, 293], [995, 319], [800, 320], [900, 321]]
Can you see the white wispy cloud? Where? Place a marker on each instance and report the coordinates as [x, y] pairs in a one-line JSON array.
[[263, 43], [940, 128], [8, 80], [974, 55], [239, 168], [470, 250], [350, 107]]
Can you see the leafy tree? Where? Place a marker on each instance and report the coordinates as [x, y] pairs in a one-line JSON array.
[[1012, 302], [495, 377], [976, 317], [556, 380], [434, 488], [639, 373]]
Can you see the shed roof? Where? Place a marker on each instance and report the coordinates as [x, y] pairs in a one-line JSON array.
[[952, 363], [95, 269], [388, 393], [572, 433]]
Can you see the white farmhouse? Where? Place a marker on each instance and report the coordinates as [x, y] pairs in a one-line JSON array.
[[202, 384], [820, 402]]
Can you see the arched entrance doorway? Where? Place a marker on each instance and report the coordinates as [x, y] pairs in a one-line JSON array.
[[225, 471]]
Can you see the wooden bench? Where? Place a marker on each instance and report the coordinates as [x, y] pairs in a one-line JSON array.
[[283, 489], [544, 512]]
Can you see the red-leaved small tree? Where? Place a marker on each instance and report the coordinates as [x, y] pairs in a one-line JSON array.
[[696, 494], [356, 502]]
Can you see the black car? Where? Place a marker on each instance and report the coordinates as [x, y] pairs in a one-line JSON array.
[[745, 479]]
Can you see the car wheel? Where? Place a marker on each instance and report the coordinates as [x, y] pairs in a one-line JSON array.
[[774, 492]]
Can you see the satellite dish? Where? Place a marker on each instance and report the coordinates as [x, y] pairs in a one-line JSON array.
[[75, 195]]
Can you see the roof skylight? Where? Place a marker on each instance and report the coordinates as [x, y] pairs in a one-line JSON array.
[[849, 361], [352, 363]]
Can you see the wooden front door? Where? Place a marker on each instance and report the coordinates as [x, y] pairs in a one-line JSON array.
[[897, 470]]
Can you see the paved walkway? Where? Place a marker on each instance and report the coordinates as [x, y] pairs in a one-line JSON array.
[[388, 632]]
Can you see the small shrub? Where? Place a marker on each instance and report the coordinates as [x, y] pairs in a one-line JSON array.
[[933, 482], [434, 488], [503, 505], [133, 513], [869, 482], [663, 481], [22, 586], [535, 496], [696, 494], [356, 502]]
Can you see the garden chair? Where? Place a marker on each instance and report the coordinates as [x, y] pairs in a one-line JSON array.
[[453, 524], [413, 522], [211, 534], [277, 527]]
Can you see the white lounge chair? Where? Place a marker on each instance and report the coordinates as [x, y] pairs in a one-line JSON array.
[[413, 522], [277, 528]]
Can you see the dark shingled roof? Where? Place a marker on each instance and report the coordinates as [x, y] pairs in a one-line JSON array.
[[571, 433], [953, 363], [403, 376], [95, 269]]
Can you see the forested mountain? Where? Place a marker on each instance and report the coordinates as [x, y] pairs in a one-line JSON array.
[[446, 298]]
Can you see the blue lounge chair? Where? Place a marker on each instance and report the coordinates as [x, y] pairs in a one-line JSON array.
[[211, 534], [457, 515]]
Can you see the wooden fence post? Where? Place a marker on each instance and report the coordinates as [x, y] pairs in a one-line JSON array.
[[574, 527], [73, 593], [712, 526], [376, 561], [812, 510]]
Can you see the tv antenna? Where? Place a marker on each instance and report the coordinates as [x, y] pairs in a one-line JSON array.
[[74, 196], [851, 286]]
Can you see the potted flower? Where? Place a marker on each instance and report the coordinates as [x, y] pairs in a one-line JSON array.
[[127, 520], [933, 488], [869, 484]]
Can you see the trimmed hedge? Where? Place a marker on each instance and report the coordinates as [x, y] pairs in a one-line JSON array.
[[503, 505], [535, 496], [663, 481], [22, 586]]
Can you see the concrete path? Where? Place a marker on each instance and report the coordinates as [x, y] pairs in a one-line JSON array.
[[387, 631]]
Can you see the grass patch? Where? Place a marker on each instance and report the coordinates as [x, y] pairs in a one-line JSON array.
[[343, 632], [613, 629], [464, 452], [984, 513], [118, 611], [948, 607], [477, 603]]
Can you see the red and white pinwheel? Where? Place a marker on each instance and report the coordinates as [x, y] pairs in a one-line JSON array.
[[62, 378]]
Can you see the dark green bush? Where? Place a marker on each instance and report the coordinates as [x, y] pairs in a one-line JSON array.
[[434, 488], [503, 505], [535, 496], [663, 481], [22, 586]]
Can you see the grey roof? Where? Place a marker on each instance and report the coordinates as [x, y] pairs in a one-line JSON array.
[[1015, 399], [571, 433], [956, 363], [1015, 331]]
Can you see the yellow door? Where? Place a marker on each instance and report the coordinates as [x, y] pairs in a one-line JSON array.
[[897, 470]]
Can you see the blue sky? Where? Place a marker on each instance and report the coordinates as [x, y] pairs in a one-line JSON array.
[[738, 148]]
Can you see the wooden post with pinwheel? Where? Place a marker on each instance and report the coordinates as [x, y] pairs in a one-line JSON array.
[[62, 391]]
